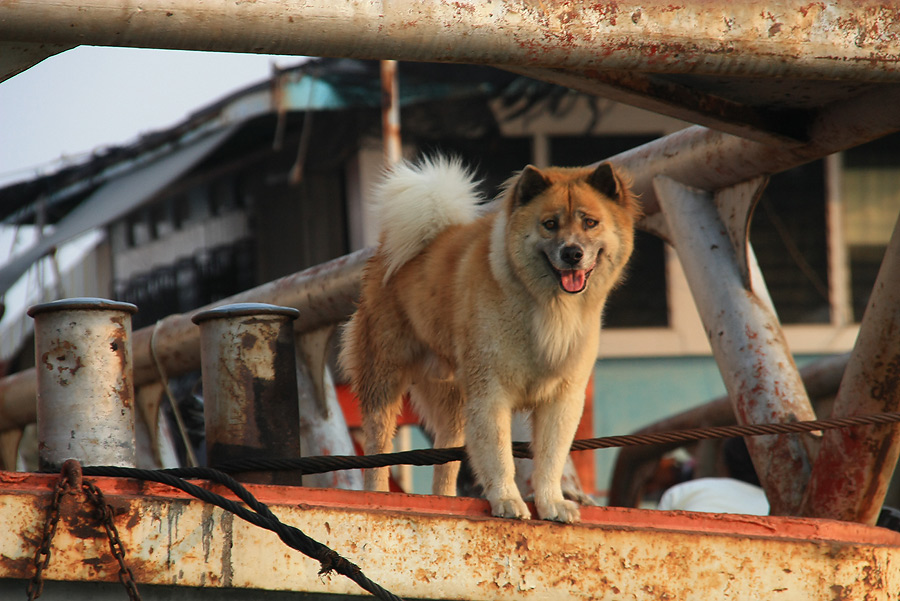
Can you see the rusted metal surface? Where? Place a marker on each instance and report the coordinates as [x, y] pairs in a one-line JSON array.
[[854, 466], [635, 465], [783, 38], [746, 338], [250, 401], [85, 394], [16, 57], [767, 122], [711, 160], [455, 549], [390, 113]]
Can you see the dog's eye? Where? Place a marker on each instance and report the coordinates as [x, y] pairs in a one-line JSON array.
[[589, 223], [550, 224]]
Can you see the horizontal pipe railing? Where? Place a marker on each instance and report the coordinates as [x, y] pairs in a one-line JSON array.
[[786, 38], [324, 295]]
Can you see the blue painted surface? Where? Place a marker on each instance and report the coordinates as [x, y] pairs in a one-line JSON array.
[[632, 393]]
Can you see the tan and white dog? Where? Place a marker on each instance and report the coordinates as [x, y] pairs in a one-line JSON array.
[[479, 314]]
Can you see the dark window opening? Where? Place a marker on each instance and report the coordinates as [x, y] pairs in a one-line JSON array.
[[870, 193], [789, 236]]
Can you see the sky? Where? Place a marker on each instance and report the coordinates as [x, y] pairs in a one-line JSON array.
[[82, 100], [89, 97]]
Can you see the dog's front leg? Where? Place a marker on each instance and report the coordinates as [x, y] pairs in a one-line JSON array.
[[489, 446], [555, 423]]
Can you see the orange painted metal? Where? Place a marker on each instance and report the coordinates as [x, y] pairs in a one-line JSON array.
[[584, 462]]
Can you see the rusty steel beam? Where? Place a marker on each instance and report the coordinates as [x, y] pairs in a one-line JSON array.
[[17, 57], [854, 467], [710, 160], [748, 344], [680, 101], [783, 38], [427, 547]]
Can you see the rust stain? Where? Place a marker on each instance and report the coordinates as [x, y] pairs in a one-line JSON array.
[[207, 525], [227, 527], [248, 340], [62, 358]]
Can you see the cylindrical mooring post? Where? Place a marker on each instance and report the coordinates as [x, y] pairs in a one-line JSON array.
[[85, 392], [250, 387]]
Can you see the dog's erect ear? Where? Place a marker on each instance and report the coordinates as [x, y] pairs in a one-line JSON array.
[[604, 180], [531, 183]]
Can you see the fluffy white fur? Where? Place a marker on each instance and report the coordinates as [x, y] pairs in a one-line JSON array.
[[417, 201]]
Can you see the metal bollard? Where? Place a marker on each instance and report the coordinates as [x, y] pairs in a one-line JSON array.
[[250, 387], [85, 391]]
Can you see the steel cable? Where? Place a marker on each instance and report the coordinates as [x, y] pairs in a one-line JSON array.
[[318, 465]]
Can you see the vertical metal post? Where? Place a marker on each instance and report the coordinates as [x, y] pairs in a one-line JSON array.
[[838, 262], [85, 392], [854, 466], [250, 386], [390, 113], [762, 380]]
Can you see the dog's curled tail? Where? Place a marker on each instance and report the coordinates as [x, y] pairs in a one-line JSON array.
[[417, 201]]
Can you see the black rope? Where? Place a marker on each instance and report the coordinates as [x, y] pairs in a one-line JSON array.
[[260, 516]]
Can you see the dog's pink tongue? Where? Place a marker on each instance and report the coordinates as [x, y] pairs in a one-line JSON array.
[[573, 280]]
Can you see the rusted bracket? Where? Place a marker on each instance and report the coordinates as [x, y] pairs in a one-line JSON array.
[[323, 430], [762, 380]]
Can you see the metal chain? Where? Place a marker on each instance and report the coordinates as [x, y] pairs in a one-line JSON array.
[[70, 482], [42, 554], [126, 576]]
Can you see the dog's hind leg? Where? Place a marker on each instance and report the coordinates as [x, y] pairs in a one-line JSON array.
[[554, 424], [440, 406], [379, 422], [379, 378]]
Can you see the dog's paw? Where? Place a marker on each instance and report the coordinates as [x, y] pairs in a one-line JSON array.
[[510, 508], [559, 511]]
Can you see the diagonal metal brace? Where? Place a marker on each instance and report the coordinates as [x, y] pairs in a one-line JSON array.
[[760, 375]]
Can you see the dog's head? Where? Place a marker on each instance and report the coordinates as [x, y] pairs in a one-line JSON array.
[[567, 228]]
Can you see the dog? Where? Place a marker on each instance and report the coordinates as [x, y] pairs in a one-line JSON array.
[[478, 313]]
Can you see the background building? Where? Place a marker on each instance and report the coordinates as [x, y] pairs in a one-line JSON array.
[[273, 179]]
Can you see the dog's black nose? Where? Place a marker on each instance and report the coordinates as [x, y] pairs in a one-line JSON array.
[[572, 255]]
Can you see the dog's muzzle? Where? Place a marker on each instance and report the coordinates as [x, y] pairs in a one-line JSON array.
[[571, 281]]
